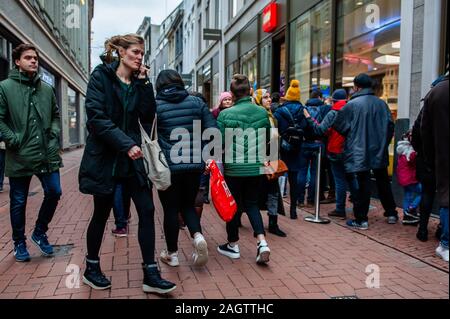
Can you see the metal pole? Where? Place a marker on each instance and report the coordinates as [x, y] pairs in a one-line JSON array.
[[317, 219]]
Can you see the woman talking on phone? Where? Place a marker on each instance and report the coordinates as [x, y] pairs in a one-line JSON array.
[[119, 95]]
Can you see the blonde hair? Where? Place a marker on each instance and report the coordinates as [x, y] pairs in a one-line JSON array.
[[113, 44]]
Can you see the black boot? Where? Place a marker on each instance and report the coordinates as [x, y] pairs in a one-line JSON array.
[[273, 227], [438, 233], [153, 281], [94, 277], [294, 213], [422, 233]]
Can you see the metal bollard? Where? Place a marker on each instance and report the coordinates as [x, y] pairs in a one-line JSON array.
[[317, 219]]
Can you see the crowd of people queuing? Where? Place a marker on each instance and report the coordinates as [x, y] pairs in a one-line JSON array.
[[354, 132]]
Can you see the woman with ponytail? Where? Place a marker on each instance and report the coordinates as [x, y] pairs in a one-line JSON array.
[[119, 96]]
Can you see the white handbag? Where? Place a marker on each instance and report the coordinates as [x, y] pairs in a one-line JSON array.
[[155, 162]]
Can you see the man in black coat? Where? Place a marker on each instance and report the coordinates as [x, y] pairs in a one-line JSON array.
[[367, 124], [435, 134]]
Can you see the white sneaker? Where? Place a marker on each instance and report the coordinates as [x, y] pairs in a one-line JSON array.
[[442, 252], [170, 259], [200, 255], [263, 253], [231, 252]]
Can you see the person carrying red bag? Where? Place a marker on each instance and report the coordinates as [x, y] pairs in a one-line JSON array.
[[243, 175]]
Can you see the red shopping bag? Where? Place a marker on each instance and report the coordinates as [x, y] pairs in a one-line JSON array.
[[222, 199]]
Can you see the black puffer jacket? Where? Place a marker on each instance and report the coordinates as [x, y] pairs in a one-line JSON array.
[[177, 111], [368, 127], [107, 143]]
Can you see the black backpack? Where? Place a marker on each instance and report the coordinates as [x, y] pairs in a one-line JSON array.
[[294, 136]]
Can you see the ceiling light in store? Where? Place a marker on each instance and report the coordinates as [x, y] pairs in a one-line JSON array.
[[327, 22], [375, 69], [359, 3], [348, 79], [348, 85], [396, 45], [388, 60]]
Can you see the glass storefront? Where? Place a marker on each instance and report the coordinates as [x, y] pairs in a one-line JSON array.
[[310, 54], [73, 116], [249, 67], [266, 64], [368, 41]]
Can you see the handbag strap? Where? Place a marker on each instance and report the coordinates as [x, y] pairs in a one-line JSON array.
[[153, 133]]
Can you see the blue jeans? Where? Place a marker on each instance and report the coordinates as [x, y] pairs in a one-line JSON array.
[[340, 180], [121, 207], [412, 196], [2, 167], [444, 222], [308, 161], [18, 198]]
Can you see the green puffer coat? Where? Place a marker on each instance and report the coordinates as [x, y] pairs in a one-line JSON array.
[[30, 126], [244, 115]]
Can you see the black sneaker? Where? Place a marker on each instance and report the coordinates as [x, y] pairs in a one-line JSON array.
[[93, 276], [153, 283], [231, 252], [408, 220], [412, 212], [337, 214]]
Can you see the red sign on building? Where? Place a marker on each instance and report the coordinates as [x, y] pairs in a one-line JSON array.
[[270, 18]]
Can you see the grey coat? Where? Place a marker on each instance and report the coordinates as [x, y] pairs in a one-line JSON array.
[[366, 123]]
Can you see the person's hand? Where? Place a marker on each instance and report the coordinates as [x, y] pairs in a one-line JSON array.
[[306, 113], [143, 72], [135, 153], [208, 166]]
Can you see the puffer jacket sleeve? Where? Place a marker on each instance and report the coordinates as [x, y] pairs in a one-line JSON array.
[[99, 123], [147, 105], [56, 122]]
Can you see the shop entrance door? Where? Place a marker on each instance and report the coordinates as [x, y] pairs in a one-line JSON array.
[[279, 65]]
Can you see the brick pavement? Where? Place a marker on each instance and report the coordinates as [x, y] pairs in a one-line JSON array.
[[315, 261]]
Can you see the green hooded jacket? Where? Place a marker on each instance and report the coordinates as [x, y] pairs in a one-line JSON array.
[[29, 125]]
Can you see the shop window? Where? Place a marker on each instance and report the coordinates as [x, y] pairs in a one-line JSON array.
[[266, 65], [311, 50], [249, 67], [368, 41], [73, 116]]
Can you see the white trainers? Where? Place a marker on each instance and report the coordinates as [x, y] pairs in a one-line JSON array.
[[170, 259], [263, 253], [442, 252], [200, 255]]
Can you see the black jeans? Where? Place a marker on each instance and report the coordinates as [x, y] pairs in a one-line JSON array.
[[143, 200], [180, 198], [245, 191], [426, 205], [363, 194]]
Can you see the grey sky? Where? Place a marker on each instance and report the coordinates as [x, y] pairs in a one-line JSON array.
[[112, 17]]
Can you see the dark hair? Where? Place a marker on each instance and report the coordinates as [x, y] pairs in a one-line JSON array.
[[20, 49], [240, 86], [276, 97], [168, 77], [316, 94], [199, 95], [363, 81]]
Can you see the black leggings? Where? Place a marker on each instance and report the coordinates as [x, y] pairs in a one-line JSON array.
[[180, 198], [143, 200]]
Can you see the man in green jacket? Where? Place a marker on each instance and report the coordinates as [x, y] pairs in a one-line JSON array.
[[30, 126], [244, 164]]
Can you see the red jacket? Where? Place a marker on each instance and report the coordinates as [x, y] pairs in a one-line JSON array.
[[335, 140]]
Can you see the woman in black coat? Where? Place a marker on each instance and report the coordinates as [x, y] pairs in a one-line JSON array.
[[119, 95]]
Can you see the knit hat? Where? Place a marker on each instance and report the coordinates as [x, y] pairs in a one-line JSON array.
[[340, 95], [293, 93], [223, 96], [258, 95]]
